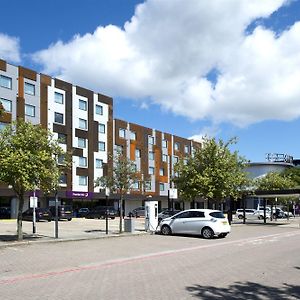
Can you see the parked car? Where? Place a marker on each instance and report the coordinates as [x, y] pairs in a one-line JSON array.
[[138, 212], [64, 212], [166, 213], [82, 212], [99, 212], [205, 222], [278, 213], [40, 214], [249, 213], [4, 213]]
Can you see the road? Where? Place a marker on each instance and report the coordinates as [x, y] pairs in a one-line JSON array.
[[253, 262]]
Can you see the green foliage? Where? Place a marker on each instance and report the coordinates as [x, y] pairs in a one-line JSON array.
[[214, 172], [293, 174], [28, 160], [274, 181]]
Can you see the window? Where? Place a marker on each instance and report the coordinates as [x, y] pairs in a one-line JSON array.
[[81, 143], [82, 161], [134, 168], [59, 98], [185, 161], [161, 187], [99, 163], [165, 158], [3, 125], [58, 118], [101, 146], [5, 82], [101, 128], [151, 171], [83, 180], [137, 153], [82, 124], [63, 179], [176, 146], [29, 89], [135, 185], [122, 133], [61, 159], [151, 155], [29, 110], [99, 109], [148, 185], [186, 149], [161, 172], [176, 159], [132, 135], [7, 104], [62, 138], [82, 104], [150, 139], [164, 144]]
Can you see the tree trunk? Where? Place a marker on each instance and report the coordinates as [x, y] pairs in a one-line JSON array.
[[19, 220], [121, 214]]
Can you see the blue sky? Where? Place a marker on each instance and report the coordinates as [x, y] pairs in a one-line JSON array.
[[187, 68]]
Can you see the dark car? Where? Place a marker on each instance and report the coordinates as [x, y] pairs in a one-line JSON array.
[[40, 214], [82, 212], [64, 212], [4, 213], [166, 213], [99, 212], [137, 212]]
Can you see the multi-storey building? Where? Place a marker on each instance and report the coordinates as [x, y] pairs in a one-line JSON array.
[[82, 120]]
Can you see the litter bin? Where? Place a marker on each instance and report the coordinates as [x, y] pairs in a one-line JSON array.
[[129, 225]]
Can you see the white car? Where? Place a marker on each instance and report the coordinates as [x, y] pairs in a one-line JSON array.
[[205, 222]]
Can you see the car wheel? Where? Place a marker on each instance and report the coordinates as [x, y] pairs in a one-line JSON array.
[[49, 220], [69, 219], [207, 233], [166, 230], [222, 235], [240, 217], [112, 218]]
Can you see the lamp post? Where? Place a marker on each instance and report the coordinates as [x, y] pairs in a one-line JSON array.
[[107, 193], [56, 214]]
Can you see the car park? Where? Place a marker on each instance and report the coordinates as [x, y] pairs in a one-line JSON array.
[[249, 213], [205, 222], [40, 214], [64, 212], [99, 212], [137, 212], [82, 212]]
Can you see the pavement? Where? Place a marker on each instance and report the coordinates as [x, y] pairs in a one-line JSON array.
[[85, 229]]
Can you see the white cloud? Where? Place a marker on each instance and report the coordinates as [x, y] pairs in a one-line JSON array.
[[9, 48], [166, 50]]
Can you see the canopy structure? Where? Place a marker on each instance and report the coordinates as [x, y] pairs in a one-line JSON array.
[[278, 193]]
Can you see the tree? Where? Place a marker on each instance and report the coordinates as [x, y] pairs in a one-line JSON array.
[[293, 174], [214, 172], [28, 160], [120, 180], [274, 181]]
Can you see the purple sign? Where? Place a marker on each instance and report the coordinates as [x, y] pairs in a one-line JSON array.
[[73, 194]]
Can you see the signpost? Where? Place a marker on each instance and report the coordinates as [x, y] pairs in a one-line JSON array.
[[33, 204], [107, 193]]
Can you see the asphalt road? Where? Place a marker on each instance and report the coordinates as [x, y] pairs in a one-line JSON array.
[[253, 262]]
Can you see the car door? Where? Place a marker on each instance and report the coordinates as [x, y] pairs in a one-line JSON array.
[[187, 222], [179, 222]]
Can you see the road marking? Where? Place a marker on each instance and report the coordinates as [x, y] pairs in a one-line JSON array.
[[138, 258]]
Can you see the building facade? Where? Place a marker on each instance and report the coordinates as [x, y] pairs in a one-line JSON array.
[[82, 121]]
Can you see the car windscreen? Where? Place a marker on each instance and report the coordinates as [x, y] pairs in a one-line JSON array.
[[217, 214]]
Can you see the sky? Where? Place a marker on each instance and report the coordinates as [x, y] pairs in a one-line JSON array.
[[221, 68]]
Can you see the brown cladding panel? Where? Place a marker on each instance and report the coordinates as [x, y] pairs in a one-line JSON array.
[[59, 128], [78, 152], [120, 141], [6, 118], [81, 133], [105, 99], [95, 137], [82, 172], [27, 73], [20, 107], [21, 86], [3, 65]]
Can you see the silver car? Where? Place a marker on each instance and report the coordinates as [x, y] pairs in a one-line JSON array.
[[205, 222]]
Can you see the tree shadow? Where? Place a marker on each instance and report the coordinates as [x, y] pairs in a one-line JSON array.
[[245, 290], [14, 237]]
